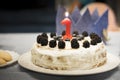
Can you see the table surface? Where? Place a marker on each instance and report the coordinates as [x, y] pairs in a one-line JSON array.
[[23, 42]]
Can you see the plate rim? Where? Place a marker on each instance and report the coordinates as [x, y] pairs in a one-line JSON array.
[[15, 57], [70, 72]]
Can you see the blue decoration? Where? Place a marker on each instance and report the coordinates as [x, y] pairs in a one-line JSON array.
[[86, 22]]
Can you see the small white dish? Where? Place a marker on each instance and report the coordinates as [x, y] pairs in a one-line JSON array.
[[15, 57], [112, 62]]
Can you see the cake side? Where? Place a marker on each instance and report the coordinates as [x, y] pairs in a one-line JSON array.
[[83, 59]]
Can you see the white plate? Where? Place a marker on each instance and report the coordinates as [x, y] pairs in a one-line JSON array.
[[112, 62], [15, 57]]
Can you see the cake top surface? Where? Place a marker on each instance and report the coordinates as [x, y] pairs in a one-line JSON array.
[[84, 40], [55, 45]]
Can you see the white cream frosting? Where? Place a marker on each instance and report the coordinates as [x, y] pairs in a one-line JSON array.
[[68, 58]]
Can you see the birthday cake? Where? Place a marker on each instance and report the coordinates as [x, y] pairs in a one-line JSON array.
[[80, 46], [83, 51]]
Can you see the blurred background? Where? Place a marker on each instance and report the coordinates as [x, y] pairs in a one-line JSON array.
[[18, 16]]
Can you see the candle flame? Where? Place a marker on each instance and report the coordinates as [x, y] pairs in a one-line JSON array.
[[66, 14]]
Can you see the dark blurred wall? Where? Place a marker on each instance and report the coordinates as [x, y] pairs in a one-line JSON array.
[[115, 5], [25, 4], [27, 15]]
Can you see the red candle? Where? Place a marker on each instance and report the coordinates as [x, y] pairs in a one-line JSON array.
[[67, 23]]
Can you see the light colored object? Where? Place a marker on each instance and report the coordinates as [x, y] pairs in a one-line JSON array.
[[68, 58], [14, 58], [2, 61], [112, 62], [105, 35], [5, 56]]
